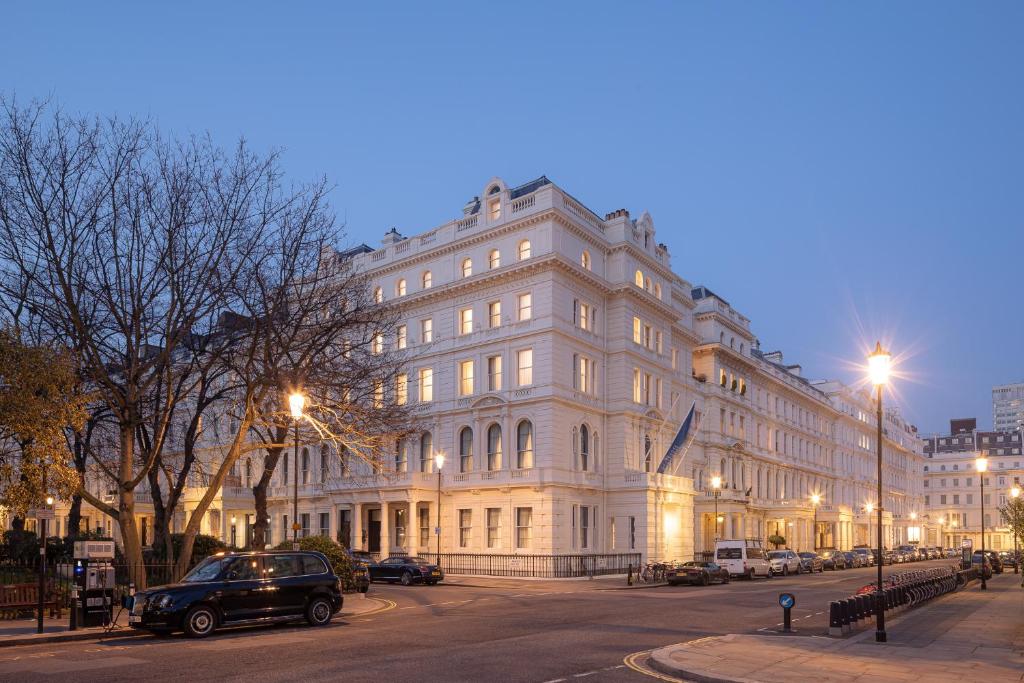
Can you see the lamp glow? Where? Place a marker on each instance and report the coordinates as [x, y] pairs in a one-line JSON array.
[[1015, 492], [869, 507], [716, 482], [879, 364], [49, 500], [815, 498], [981, 464], [296, 402], [439, 460], [942, 520], [913, 515]]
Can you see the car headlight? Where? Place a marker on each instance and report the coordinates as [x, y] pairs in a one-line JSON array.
[[161, 601]]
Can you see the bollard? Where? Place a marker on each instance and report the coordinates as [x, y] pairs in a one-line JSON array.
[[629, 575], [869, 608], [835, 619], [845, 613]]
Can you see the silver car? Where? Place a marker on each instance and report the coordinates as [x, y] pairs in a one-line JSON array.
[[784, 562]]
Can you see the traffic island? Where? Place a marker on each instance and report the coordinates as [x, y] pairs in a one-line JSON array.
[[968, 635]]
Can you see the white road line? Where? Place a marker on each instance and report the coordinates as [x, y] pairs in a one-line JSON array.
[[582, 675], [555, 680]]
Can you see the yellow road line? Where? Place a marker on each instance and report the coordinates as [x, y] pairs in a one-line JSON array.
[[387, 605], [632, 663]]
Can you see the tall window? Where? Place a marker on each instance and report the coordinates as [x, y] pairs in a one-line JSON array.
[[424, 520], [524, 250], [494, 447], [426, 384], [284, 472], [466, 450], [525, 306], [638, 279], [647, 452], [400, 287], [585, 259], [378, 393], [524, 365], [378, 295], [586, 316], [465, 527], [426, 451], [378, 343], [325, 464], [465, 321], [427, 279], [637, 388], [402, 337], [466, 378], [524, 445], [637, 331], [494, 314], [493, 527], [427, 330], [400, 523], [305, 466], [494, 373], [467, 267], [524, 527], [494, 259], [494, 209], [584, 448], [401, 455], [583, 373]]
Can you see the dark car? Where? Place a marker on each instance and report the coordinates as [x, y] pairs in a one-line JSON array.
[[361, 561], [982, 563], [1008, 558], [241, 588], [697, 573], [867, 556], [811, 562], [407, 569], [833, 559], [997, 562]]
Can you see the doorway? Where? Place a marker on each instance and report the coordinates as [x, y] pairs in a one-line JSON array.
[[373, 531]]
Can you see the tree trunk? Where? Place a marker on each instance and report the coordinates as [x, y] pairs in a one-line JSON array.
[[130, 542], [259, 493], [75, 517], [161, 519]]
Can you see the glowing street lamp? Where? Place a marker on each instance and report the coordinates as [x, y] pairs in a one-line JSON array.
[[981, 464], [296, 403], [879, 365], [716, 491], [438, 465]]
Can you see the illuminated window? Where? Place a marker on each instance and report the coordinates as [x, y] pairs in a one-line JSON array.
[[524, 250], [466, 321], [494, 314], [494, 259], [466, 378], [585, 259], [378, 344], [427, 280], [378, 295], [494, 447], [494, 373], [638, 279], [637, 331], [427, 330], [402, 337], [524, 366], [378, 394], [426, 384], [400, 287], [467, 267], [494, 207], [525, 306], [402, 389], [524, 445]]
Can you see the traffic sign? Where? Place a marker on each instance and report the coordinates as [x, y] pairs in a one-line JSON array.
[[787, 600]]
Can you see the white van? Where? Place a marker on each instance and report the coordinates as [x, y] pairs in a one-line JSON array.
[[744, 558]]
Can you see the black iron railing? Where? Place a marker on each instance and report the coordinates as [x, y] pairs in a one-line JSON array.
[[535, 566]]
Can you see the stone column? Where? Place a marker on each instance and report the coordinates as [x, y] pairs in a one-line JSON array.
[[356, 541], [385, 530]]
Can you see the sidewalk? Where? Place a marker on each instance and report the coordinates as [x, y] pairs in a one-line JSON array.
[[23, 631], [971, 635]]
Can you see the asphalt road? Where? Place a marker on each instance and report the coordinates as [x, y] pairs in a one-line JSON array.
[[476, 630]]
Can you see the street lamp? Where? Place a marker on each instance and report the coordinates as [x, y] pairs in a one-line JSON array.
[[438, 464], [296, 402], [716, 491], [815, 499], [1014, 521], [981, 464], [879, 364]]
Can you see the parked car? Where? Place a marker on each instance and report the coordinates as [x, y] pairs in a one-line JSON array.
[[361, 561], [232, 589], [867, 556], [697, 573], [833, 559], [784, 562], [742, 558], [811, 562], [854, 560], [982, 564], [1008, 558], [952, 553], [407, 569], [997, 562]]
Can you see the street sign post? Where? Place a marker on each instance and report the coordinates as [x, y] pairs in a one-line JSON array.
[[787, 601]]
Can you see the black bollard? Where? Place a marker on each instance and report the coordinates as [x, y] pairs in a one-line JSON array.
[[835, 619]]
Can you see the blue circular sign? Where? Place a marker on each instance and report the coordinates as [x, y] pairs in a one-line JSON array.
[[787, 600]]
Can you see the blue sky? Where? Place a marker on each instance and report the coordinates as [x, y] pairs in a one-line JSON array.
[[837, 171]]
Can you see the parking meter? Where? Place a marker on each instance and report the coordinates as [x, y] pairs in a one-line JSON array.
[[93, 577]]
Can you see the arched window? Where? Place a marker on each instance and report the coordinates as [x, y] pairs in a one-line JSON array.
[[467, 267], [494, 259], [584, 448], [657, 289], [638, 279], [524, 250], [401, 456], [427, 279], [466, 450], [400, 287], [647, 284], [524, 445], [305, 466], [494, 447], [647, 452], [575, 443], [426, 452], [495, 189], [378, 295], [585, 259], [325, 463]]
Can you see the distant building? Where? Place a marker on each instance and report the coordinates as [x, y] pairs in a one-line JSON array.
[[952, 489], [1008, 407]]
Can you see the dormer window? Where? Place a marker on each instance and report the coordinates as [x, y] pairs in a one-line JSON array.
[[400, 287], [494, 259], [524, 250], [467, 267], [427, 280], [494, 209]]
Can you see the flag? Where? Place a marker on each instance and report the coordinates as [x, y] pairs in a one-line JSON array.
[[677, 443]]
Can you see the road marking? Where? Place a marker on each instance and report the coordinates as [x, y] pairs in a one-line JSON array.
[[632, 662]]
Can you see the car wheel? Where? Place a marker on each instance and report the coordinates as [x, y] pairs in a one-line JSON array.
[[200, 621], [406, 578], [725, 579], [319, 612], [785, 570], [705, 580], [750, 575]]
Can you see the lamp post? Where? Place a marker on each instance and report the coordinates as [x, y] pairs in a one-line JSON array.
[[296, 402], [879, 364], [815, 499], [439, 464], [716, 491], [981, 464], [1015, 497]]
